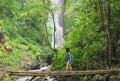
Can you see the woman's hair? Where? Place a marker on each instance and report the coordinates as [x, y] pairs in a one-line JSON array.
[[67, 49]]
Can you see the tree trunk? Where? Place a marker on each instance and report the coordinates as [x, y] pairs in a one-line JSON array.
[[102, 22], [107, 20], [85, 33]]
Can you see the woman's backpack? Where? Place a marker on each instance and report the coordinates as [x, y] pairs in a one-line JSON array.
[[71, 57]]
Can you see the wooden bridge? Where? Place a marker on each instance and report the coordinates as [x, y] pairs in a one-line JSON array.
[[61, 73]]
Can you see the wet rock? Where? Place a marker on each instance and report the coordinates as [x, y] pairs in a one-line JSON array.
[[37, 79], [97, 78], [49, 59]]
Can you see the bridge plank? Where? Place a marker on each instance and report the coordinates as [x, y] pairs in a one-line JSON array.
[[59, 73]]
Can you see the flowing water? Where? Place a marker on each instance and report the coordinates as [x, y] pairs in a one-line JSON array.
[[26, 78], [58, 39]]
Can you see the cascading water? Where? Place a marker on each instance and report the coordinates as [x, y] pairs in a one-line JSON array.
[[57, 37]]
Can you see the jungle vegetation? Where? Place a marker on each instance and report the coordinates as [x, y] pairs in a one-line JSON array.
[[92, 31]]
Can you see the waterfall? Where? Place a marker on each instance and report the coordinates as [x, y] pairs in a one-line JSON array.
[[57, 37]]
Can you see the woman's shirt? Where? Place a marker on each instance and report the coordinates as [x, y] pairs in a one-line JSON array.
[[68, 57]]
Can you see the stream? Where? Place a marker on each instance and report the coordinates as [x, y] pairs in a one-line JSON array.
[[27, 78]]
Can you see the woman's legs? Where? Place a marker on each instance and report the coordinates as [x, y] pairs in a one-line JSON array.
[[67, 66], [70, 66]]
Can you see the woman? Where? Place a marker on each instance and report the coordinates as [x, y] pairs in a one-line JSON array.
[[68, 59]]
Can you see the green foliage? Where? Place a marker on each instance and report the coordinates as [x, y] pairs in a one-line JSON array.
[[11, 59], [59, 61], [22, 23], [85, 34], [5, 77]]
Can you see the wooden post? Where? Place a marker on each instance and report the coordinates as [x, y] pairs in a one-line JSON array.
[[32, 78], [43, 79]]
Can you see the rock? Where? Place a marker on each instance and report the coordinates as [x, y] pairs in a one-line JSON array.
[[37, 79], [97, 78], [49, 59], [28, 62]]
